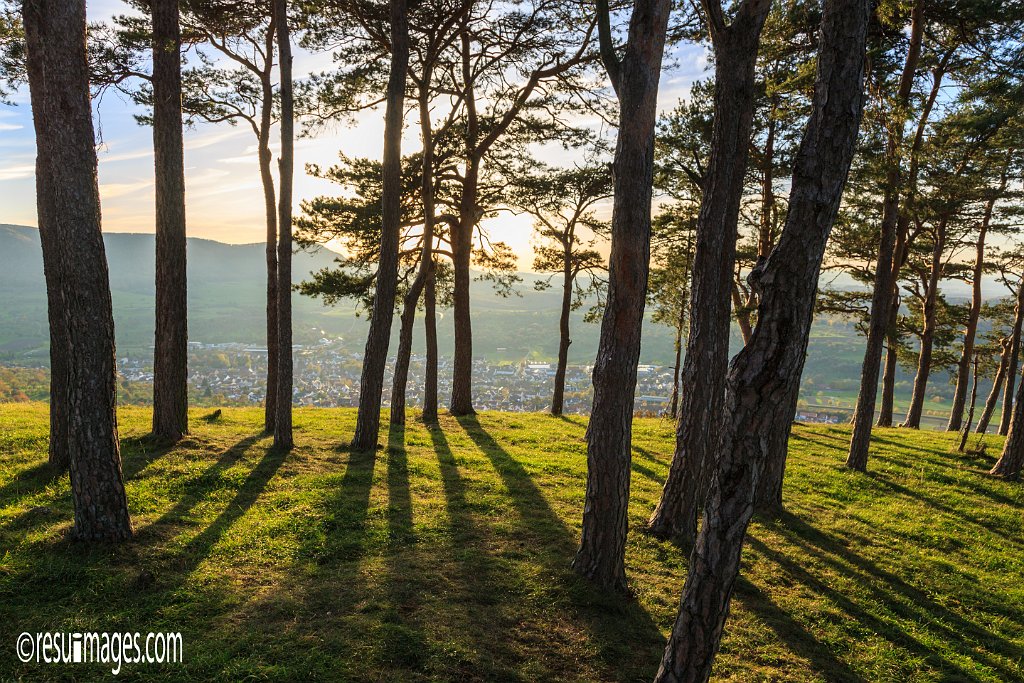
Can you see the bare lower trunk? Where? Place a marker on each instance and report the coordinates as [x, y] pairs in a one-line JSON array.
[[283, 414], [677, 365], [1009, 464], [924, 361], [601, 554], [997, 385], [563, 336], [270, 207], [170, 350], [371, 383], [707, 345], [55, 33], [407, 320], [767, 371], [966, 429], [742, 315], [430, 326], [886, 270], [885, 410], [1011, 367]]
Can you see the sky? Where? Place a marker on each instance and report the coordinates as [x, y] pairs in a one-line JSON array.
[[223, 192]]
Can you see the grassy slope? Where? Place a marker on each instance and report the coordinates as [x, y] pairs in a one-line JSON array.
[[446, 558]]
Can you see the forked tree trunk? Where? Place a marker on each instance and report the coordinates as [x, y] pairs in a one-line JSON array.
[[1011, 368], [170, 350], [601, 555], [56, 41], [707, 345], [767, 371], [564, 341], [59, 454], [1009, 464], [963, 366], [885, 269], [283, 418], [371, 383], [924, 360], [997, 385]]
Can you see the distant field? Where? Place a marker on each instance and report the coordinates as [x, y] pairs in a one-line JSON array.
[[444, 556]]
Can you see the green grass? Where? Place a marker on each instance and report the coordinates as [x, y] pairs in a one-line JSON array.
[[444, 556]]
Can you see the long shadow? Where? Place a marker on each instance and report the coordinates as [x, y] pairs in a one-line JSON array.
[[797, 638], [139, 452], [919, 608], [28, 481], [606, 617]]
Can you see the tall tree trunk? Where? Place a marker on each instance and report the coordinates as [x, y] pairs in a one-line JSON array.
[[966, 429], [885, 269], [601, 555], [885, 410], [767, 371], [1009, 464], [371, 383], [283, 419], [997, 385], [963, 366], [924, 361], [677, 365], [170, 351], [707, 345], [56, 34], [563, 331], [1011, 368], [430, 327], [59, 448], [400, 378], [270, 208]]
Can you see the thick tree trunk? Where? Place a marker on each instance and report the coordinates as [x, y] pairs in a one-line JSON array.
[[59, 447], [371, 383], [283, 419], [563, 333], [924, 360], [997, 385], [1011, 368], [55, 33], [964, 365], [601, 555], [743, 316], [430, 327], [170, 351], [707, 345], [767, 371], [885, 269], [1009, 464]]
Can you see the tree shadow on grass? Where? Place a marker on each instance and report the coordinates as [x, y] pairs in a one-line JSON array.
[[626, 635], [28, 481], [909, 603]]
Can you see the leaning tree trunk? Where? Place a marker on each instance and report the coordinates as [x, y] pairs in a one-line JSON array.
[[924, 360], [1011, 368], [767, 371], [965, 431], [56, 35], [563, 333], [170, 350], [1009, 464], [707, 345], [59, 454], [283, 417], [997, 385], [375, 358], [963, 367], [601, 555], [885, 268]]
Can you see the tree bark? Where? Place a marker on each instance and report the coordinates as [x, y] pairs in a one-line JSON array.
[[767, 371], [997, 385], [1011, 368], [965, 431], [430, 328], [283, 438], [601, 555], [924, 361], [56, 33], [964, 364], [885, 268], [707, 345], [59, 457], [1009, 464], [375, 357], [887, 406], [563, 331], [270, 208], [170, 350], [677, 366]]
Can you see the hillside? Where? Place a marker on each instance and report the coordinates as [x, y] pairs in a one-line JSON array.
[[444, 557]]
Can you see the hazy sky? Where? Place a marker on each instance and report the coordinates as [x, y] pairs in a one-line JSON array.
[[223, 192]]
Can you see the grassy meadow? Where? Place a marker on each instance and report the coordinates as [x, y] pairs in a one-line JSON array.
[[444, 556]]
